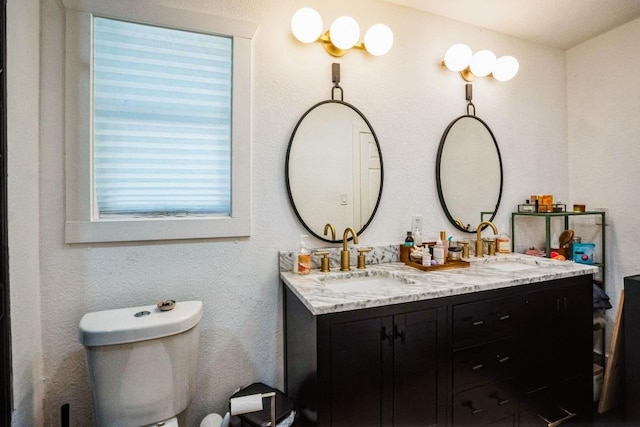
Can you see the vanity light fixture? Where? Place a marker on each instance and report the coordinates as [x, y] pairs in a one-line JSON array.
[[342, 35], [460, 58]]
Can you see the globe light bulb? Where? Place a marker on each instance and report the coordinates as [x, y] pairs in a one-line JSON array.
[[378, 40], [482, 63], [306, 25], [457, 57], [344, 32], [506, 68]]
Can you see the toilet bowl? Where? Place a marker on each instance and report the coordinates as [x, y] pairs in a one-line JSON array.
[[142, 362]]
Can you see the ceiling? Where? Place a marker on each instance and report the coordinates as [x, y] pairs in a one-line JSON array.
[[556, 23]]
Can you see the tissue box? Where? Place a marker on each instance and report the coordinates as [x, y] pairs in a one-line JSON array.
[[583, 253]]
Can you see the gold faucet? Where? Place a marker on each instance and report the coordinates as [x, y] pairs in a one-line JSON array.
[[345, 261], [479, 247], [328, 227]]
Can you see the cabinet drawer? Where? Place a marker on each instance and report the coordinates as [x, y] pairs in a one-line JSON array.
[[479, 321], [485, 404], [483, 363]]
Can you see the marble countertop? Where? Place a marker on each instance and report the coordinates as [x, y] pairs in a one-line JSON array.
[[408, 284]]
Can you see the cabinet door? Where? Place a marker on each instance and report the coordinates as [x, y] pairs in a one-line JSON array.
[[415, 385], [361, 355], [555, 340], [555, 346]]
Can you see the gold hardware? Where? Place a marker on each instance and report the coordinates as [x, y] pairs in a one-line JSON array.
[[479, 248], [492, 247], [324, 262], [362, 264], [465, 249], [328, 227], [345, 261]]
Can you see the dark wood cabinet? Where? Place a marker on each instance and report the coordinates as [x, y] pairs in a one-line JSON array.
[[510, 357], [384, 370], [556, 334]]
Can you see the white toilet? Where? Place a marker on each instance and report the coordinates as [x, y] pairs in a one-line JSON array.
[[142, 362]]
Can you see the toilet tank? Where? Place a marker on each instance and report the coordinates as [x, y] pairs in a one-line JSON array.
[[142, 361]]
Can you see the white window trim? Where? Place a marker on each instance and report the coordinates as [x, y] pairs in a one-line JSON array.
[[82, 225]]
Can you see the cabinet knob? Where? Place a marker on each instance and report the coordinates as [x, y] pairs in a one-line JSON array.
[[477, 367], [504, 316]]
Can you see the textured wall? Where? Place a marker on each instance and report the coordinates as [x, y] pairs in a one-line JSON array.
[[409, 99], [603, 105]]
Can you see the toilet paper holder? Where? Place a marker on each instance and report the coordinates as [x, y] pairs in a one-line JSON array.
[[253, 403]]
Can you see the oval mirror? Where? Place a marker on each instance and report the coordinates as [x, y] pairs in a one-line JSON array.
[[334, 169], [469, 173]]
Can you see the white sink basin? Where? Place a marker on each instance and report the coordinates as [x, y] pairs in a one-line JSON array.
[[510, 266], [360, 283]]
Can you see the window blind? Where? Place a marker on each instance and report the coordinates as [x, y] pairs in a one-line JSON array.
[[161, 120]]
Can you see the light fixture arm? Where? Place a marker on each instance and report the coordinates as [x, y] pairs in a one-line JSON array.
[[335, 78], [468, 90]]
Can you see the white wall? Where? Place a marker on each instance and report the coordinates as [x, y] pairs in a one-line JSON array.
[[604, 151], [407, 96], [23, 95]]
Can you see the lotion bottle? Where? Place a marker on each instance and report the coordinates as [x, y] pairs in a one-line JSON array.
[[438, 252], [303, 257]]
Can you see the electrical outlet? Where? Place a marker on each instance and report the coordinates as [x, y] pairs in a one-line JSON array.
[[416, 222]]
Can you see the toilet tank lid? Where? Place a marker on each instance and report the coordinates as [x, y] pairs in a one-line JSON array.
[[126, 325]]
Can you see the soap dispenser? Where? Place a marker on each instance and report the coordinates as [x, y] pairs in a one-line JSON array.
[[303, 257]]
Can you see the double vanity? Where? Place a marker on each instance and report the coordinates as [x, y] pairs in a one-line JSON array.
[[505, 341]]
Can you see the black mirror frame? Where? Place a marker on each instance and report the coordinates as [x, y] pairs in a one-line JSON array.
[[288, 183], [439, 181]]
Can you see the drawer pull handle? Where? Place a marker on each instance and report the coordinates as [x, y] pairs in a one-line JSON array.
[[474, 411], [473, 322], [535, 390], [500, 401], [477, 367], [556, 423], [502, 359], [504, 317]]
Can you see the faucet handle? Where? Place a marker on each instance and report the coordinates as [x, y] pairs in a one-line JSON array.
[[361, 258], [324, 262]]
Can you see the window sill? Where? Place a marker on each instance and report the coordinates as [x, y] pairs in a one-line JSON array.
[[153, 229]]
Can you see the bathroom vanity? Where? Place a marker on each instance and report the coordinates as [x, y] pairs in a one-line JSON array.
[[506, 341]]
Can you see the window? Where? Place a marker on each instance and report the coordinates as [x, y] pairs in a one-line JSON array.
[[157, 125]]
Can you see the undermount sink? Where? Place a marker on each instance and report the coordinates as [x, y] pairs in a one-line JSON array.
[[510, 266], [361, 283]]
